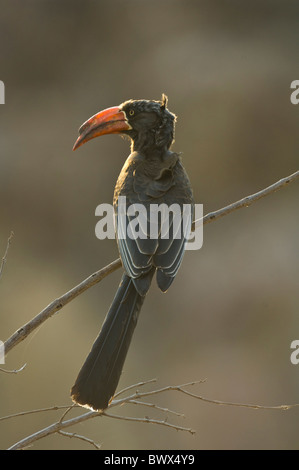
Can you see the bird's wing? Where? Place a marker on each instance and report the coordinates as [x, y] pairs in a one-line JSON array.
[[135, 215]]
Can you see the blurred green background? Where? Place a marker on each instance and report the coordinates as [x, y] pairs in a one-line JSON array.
[[232, 312]]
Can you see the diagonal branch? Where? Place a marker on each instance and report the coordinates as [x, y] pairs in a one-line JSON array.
[[52, 429], [248, 200], [58, 303], [96, 277]]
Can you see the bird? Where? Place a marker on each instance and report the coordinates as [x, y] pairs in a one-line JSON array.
[[152, 176]]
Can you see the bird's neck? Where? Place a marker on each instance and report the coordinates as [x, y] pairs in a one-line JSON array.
[[147, 144]]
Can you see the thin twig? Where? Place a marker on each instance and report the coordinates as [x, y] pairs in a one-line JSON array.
[[13, 371], [242, 405], [139, 394], [181, 388], [139, 384], [156, 407], [39, 410], [60, 302], [67, 411], [82, 438], [52, 429], [6, 252], [218, 402], [151, 421]]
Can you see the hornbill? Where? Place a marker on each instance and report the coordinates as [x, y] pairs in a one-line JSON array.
[[152, 175]]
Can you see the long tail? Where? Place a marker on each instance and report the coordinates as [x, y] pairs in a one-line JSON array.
[[100, 373]]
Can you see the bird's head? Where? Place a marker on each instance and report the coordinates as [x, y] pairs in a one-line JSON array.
[[148, 123]]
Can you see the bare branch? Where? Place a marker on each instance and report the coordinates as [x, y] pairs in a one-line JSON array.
[[151, 421], [139, 384], [223, 403], [67, 411], [96, 277], [58, 303], [156, 407], [139, 395], [134, 399], [39, 410], [83, 438], [242, 405], [52, 429], [181, 388], [6, 253], [69, 407], [248, 200], [14, 371]]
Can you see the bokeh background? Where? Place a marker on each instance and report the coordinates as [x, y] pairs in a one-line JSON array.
[[232, 312]]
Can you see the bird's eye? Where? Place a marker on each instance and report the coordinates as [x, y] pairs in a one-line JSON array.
[[131, 112]]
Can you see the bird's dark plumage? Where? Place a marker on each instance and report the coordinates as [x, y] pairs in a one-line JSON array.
[[152, 175]]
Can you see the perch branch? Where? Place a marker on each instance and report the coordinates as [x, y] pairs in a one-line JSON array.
[[248, 200], [60, 302]]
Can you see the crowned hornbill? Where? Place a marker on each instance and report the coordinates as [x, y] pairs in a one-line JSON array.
[[151, 175]]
